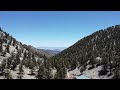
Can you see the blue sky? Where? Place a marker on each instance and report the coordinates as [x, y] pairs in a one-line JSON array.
[[55, 28]]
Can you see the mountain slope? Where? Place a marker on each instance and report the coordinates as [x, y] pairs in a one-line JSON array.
[[101, 48], [20, 61]]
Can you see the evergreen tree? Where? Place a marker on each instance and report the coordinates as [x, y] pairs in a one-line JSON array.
[[7, 74], [61, 72], [48, 70], [17, 47], [8, 48], [32, 68], [1, 48], [7, 35], [3, 65], [21, 71], [21, 68], [10, 42], [39, 62], [25, 54], [34, 60], [5, 40], [14, 65], [17, 59], [1, 41], [82, 69], [41, 72], [116, 73], [4, 53], [20, 76], [57, 75], [9, 62], [49, 74], [14, 42]]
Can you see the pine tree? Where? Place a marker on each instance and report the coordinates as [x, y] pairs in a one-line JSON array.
[[73, 64], [17, 59], [8, 48], [49, 74], [7, 74], [44, 57], [10, 42], [20, 76], [3, 65], [61, 71], [4, 53], [17, 47], [5, 40], [117, 73], [32, 68], [14, 42], [82, 69], [21, 68], [57, 75], [1, 48], [41, 72], [7, 35], [25, 54], [1, 29], [64, 71], [34, 60], [1, 41], [14, 64], [48, 70], [21, 71], [9, 62], [45, 63]]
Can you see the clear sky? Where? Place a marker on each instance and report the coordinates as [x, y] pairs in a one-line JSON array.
[[55, 28]]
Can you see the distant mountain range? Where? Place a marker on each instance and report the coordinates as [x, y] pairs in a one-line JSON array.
[[50, 51], [52, 48]]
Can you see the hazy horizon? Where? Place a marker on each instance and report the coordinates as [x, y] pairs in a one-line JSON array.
[[55, 28], [53, 48]]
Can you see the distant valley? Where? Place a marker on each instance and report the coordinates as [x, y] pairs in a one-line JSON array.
[[52, 48], [50, 51]]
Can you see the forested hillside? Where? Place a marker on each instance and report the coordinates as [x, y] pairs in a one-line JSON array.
[[102, 48], [19, 61]]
